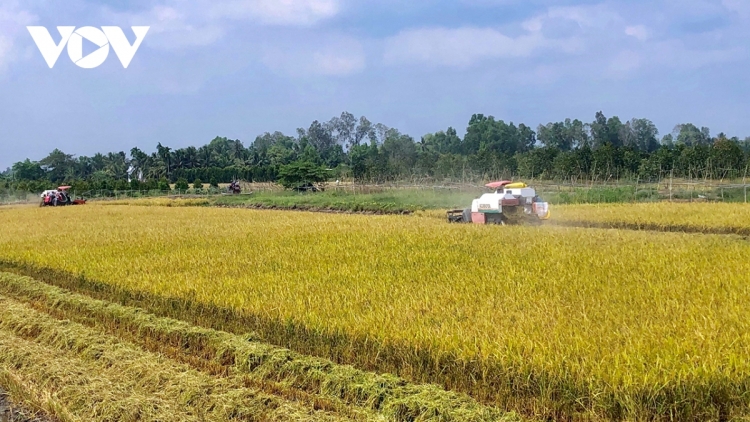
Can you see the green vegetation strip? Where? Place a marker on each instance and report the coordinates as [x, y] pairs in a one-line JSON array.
[[403, 201], [390, 396]]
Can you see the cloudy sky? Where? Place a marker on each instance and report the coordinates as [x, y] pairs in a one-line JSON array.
[[238, 68]]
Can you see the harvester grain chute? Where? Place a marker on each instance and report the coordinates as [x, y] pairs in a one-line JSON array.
[[59, 197], [510, 203]]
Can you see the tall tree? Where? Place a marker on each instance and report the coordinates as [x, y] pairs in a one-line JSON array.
[[688, 134], [363, 131], [599, 130], [57, 165], [165, 158], [27, 170], [640, 134], [343, 129]]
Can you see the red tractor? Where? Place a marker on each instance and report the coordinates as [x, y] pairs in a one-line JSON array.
[[59, 197]]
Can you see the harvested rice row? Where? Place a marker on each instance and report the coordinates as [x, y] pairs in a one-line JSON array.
[[186, 344], [260, 362], [78, 374]]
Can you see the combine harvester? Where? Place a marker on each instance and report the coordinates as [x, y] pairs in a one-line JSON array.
[[234, 188], [59, 197], [510, 203]]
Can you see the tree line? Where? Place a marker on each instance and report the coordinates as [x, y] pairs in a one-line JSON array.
[[349, 147]]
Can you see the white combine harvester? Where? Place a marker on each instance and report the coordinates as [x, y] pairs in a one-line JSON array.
[[510, 203]]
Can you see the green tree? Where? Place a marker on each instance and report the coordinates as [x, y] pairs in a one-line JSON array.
[[27, 170], [181, 184], [401, 153], [164, 157], [538, 162], [640, 134], [726, 155], [745, 145], [614, 131], [301, 173], [599, 130], [555, 135], [57, 165], [565, 165], [688, 134], [164, 185], [484, 133], [693, 161]]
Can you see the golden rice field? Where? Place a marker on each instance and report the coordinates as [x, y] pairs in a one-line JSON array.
[[81, 359], [561, 322], [692, 217]]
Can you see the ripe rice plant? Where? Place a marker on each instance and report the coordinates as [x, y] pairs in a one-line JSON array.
[[341, 389], [549, 321], [75, 373], [718, 218]]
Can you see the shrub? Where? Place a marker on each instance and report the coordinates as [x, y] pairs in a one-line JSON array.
[[181, 184]]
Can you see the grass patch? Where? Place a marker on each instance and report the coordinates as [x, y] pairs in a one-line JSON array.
[[385, 202]]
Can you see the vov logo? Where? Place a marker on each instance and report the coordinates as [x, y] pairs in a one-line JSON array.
[[73, 38]]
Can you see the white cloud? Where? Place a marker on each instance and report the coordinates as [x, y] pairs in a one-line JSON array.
[[330, 63], [574, 29], [625, 63], [5, 46], [179, 24], [331, 56], [676, 54], [171, 28], [596, 16], [638, 32], [458, 47], [741, 7], [533, 25], [13, 22], [276, 12]]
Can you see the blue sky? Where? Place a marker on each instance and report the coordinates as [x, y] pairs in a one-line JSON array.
[[238, 68]]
